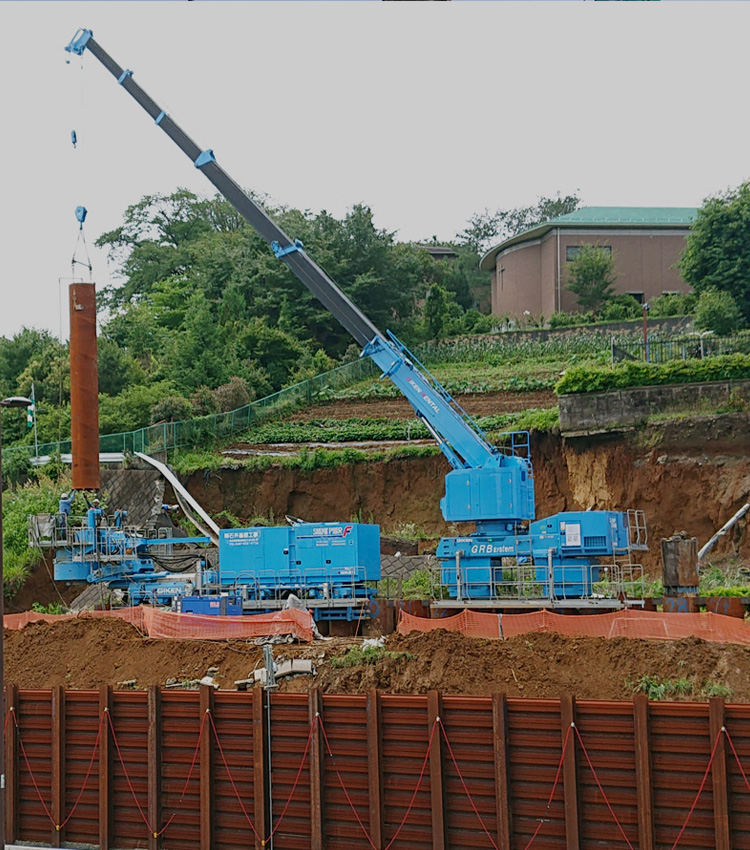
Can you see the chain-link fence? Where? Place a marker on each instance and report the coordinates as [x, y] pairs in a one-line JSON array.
[[193, 432]]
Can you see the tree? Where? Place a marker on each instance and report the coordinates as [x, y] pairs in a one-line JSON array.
[[717, 311], [592, 276], [717, 250], [486, 228]]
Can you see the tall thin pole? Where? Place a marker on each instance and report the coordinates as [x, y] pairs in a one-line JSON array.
[[2, 655], [14, 401], [33, 413]]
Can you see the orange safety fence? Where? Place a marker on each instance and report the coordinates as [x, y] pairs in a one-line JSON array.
[[469, 623], [167, 624], [649, 625]]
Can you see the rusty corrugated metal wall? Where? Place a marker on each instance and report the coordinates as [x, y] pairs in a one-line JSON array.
[[84, 387], [187, 770]]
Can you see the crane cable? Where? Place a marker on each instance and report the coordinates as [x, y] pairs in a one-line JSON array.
[[80, 211]]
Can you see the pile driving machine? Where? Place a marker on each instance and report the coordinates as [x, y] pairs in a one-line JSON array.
[[509, 554]]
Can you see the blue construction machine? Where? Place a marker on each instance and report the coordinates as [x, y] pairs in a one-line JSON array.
[[330, 566], [510, 559]]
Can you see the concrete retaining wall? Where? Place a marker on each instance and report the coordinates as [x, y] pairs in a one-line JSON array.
[[597, 411]]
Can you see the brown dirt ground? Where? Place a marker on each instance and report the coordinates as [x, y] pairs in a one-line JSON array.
[[86, 653]]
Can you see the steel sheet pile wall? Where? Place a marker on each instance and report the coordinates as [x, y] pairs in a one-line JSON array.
[[186, 770]]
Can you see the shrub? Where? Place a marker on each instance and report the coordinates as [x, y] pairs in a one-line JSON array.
[[717, 311], [591, 379]]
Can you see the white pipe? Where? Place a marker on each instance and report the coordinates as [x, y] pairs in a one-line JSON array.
[[183, 495], [723, 530]]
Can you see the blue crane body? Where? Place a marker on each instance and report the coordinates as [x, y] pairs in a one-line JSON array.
[[489, 486]]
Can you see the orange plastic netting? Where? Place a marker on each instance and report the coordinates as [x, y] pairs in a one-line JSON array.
[[651, 625], [167, 624]]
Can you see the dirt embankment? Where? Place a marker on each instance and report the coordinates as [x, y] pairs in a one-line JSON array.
[[87, 653], [689, 475]]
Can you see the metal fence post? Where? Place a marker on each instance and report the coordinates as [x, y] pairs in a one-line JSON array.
[[722, 835], [642, 746], [502, 767], [434, 713], [570, 772]]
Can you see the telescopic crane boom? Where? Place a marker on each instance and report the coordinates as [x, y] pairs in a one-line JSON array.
[[487, 486]]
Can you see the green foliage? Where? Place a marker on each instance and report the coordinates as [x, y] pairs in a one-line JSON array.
[[418, 585], [171, 408], [716, 689], [17, 504], [725, 580], [591, 276], [487, 228], [590, 379], [376, 429], [357, 656], [672, 304], [620, 308], [51, 608], [717, 249], [661, 689], [132, 408], [717, 311], [187, 462]]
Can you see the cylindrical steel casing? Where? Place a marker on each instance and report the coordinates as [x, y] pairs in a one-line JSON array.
[[84, 387]]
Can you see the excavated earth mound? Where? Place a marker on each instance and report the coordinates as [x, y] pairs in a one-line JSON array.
[[88, 653]]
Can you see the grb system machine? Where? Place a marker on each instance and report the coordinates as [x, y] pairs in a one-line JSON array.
[[509, 560]]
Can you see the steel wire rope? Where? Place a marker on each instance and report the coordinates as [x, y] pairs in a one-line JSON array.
[[464, 786], [264, 841], [554, 788], [700, 791], [57, 826], [234, 786], [601, 790], [151, 830], [31, 772], [413, 796], [736, 756]]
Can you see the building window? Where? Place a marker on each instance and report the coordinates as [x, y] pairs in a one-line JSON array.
[[637, 295], [572, 251]]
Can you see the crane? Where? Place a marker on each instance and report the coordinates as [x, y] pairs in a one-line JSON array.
[[489, 486]]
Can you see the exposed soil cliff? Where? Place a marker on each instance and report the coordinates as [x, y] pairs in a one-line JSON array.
[[689, 474]]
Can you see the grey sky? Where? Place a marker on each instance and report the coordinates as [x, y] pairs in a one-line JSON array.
[[426, 112]]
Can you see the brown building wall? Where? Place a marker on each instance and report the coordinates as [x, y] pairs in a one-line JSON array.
[[644, 263]]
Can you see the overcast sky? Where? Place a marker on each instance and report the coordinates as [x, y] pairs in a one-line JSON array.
[[428, 112]]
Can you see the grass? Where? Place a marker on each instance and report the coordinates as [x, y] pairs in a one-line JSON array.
[[656, 688], [358, 656]]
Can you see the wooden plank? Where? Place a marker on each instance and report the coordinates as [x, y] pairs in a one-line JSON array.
[[316, 773], [642, 746], [502, 766], [11, 767], [722, 836], [206, 748], [570, 772], [154, 766], [375, 768], [260, 762], [105, 768], [434, 713], [57, 765]]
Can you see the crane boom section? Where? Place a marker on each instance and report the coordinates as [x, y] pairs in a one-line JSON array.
[[462, 442], [286, 249]]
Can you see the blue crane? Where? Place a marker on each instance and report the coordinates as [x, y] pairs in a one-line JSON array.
[[488, 486]]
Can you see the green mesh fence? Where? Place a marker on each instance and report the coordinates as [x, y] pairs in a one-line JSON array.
[[205, 429]]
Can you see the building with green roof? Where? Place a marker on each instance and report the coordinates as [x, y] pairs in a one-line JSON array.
[[529, 273]]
